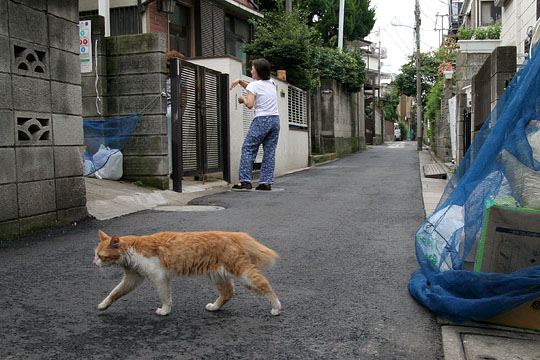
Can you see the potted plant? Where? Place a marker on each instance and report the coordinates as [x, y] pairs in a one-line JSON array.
[[479, 40], [447, 69]]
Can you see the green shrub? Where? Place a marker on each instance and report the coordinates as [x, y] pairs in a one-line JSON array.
[[465, 33], [481, 33], [346, 67], [494, 31]]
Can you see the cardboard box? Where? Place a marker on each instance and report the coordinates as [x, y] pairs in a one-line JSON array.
[[510, 239], [526, 316]]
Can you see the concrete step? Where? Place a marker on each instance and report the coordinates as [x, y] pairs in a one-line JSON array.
[[321, 158]]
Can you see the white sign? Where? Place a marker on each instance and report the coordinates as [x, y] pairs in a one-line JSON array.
[[85, 45]]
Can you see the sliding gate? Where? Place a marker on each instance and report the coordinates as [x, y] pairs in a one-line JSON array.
[[200, 122]]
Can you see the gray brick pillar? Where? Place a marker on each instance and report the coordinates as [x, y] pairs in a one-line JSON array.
[[503, 68], [41, 180]]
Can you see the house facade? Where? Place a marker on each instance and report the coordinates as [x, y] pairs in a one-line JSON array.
[[196, 28], [518, 19]]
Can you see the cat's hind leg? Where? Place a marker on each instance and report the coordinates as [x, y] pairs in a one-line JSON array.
[[255, 281], [225, 287], [129, 282]]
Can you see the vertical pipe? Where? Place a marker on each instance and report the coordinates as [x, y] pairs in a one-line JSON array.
[[104, 10]]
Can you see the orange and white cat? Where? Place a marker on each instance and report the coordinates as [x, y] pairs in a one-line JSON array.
[[223, 256]]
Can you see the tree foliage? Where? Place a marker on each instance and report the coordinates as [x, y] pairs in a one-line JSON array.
[[324, 16], [288, 43], [346, 67], [390, 102]]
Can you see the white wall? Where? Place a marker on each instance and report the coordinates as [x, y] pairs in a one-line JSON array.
[[517, 16], [293, 146]]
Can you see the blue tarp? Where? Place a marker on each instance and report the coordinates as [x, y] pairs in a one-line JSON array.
[[502, 161]]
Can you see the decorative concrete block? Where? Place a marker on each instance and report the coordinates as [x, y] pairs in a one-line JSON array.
[[28, 24], [7, 124], [8, 199], [136, 84], [34, 163], [136, 64], [66, 98], [32, 128], [31, 94], [67, 161], [64, 9], [4, 17], [141, 43], [69, 216], [6, 98], [145, 165], [70, 192], [63, 34], [146, 145], [68, 130], [126, 105], [7, 164], [5, 59], [29, 59], [37, 223], [38, 197], [9, 230], [65, 66]]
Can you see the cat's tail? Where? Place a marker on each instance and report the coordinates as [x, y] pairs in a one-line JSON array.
[[259, 254]]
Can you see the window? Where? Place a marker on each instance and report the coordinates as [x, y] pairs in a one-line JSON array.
[[180, 30], [237, 32], [489, 13], [124, 20]]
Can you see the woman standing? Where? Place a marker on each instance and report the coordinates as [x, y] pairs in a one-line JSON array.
[[261, 95]]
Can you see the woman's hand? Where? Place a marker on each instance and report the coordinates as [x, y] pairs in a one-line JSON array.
[[241, 99], [242, 83]]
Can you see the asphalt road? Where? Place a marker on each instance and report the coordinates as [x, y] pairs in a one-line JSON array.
[[345, 235]]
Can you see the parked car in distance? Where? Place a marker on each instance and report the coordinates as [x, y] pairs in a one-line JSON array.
[[397, 132]]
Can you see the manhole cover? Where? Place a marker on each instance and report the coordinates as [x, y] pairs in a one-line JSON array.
[[177, 208]]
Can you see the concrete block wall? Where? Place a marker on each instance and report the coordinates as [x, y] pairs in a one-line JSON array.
[[441, 133], [337, 119], [131, 73], [41, 182]]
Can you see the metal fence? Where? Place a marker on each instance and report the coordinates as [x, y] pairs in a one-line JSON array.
[[298, 107]]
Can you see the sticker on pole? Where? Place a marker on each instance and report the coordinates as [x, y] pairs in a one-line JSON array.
[[85, 46]]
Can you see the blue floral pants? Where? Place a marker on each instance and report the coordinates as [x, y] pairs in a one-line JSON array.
[[263, 130]]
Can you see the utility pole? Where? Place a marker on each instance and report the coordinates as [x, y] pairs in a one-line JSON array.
[[288, 6], [379, 90], [419, 129], [341, 23]]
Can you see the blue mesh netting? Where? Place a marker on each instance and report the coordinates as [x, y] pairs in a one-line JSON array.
[[104, 138], [503, 162]]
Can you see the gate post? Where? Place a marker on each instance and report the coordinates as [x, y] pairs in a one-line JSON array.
[[177, 163], [225, 114]]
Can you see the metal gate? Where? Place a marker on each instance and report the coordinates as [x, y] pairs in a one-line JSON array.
[[467, 129], [200, 122]]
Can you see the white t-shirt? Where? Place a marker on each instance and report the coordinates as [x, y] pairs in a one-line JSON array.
[[265, 92]]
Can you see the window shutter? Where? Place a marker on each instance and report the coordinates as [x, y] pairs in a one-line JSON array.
[[207, 39]]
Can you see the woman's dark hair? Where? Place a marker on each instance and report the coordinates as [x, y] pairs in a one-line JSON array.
[[262, 66]]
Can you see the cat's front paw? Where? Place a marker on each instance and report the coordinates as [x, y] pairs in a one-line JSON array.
[[163, 311], [103, 305], [212, 307], [275, 312]]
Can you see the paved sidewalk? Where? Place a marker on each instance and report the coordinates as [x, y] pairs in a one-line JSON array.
[[106, 199], [472, 340]]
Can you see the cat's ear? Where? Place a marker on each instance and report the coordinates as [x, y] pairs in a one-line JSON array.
[[115, 242], [102, 236]]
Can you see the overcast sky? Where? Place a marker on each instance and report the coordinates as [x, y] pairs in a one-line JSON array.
[[399, 40]]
